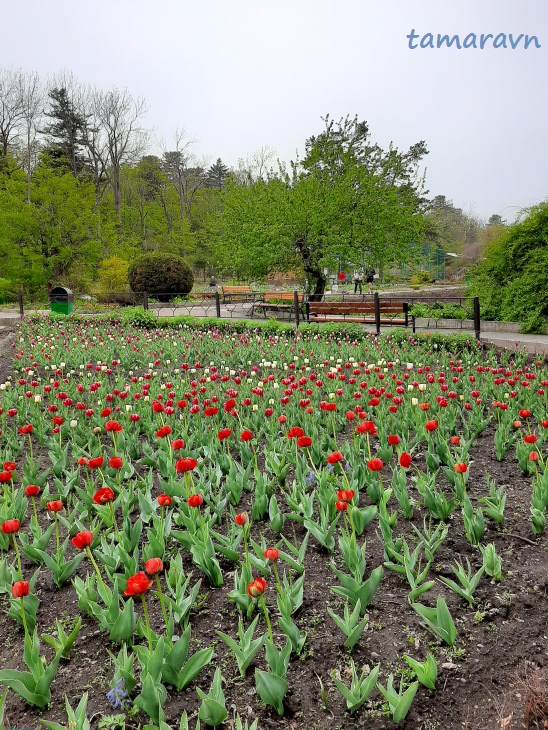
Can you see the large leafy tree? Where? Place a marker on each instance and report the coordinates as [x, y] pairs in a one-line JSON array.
[[347, 198], [512, 278]]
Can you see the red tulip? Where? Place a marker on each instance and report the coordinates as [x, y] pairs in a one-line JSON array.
[[271, 554], [113, 426], [295, 432], [246, 435], [525, 413], [350, 415], [367, 427], [163, 431], [211, 411], [26, 429], [224, 433], [186, 464], [178, 444], [164, 500], [335, 457], [304, 442], [32, 490], [137, 584], [96, 463], [82, 461], [55, 506], [375, 464], [256, 588], [82, 539], [195, 500], [103, 495], [10, 526], [341, 506], [5, 477], [240, 519], [405, 460], [431, 426], [460, 468], [153, 566], [10, 466], [345, 495], [115, 462], [530, 438], [533, 456], [455, 440], [394, 440], [20, 589]]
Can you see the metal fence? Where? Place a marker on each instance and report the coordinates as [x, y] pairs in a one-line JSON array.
[[248, 305]]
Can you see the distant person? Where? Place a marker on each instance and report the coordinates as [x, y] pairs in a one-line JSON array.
[[370, 278], [212, 283], [358, 280]]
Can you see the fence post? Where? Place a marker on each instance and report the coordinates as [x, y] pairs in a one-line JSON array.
[[296, 307], [145, 301], [477, 317], [377, 312], [20, 300], [218, 304]]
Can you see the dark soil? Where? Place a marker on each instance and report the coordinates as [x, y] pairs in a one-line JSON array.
[[487, 681]]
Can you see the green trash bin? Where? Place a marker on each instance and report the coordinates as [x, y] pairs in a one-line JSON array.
[[61, 300]]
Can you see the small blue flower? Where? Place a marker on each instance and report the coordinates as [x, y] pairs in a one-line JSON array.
[[310, 479], [118, 695]]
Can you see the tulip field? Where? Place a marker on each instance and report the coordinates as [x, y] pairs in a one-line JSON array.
[[265, 529]]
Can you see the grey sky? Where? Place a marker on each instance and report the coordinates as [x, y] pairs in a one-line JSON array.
[[240, 74]]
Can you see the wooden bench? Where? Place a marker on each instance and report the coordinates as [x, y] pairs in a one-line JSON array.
[[238, 293], [375, 311], [279, 301]]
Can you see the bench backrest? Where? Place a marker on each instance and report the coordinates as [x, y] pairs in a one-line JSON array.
[[283, 296], [367, 307], [237, 289]]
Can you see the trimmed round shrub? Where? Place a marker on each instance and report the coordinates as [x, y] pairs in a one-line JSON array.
[[161, 275]]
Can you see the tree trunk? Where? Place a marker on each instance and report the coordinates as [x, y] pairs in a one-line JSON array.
[[312, 270]]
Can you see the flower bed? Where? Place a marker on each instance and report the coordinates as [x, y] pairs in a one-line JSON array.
[[268, 529]]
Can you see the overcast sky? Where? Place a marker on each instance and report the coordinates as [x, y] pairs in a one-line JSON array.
[[240, 74]]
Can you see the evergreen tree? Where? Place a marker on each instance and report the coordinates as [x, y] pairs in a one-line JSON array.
[[66, 134], [216, 175]]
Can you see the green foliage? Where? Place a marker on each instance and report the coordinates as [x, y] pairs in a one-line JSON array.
[[113, 275], [512, 280], [346, 194], [160, 274], [138, 317], [440, 310], [7, 291]]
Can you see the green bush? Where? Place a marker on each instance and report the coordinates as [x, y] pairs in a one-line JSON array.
[[138, 317], [160, 275], [7, 291], [512, 279], [440, 310], [113, 276]]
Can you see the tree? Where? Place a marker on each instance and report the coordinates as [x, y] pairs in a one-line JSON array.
[[347, 198], [216, 175], [496, 220], [512, 278], [11, 110], [120, 138], [67, 133]]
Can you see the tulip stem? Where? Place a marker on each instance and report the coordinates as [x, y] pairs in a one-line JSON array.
[[95, 566], [34, 511], [161, 597], [30, 446], [267, 618], [23, 617], [114, 521], [17, 556], [56, 535], [147, 622], [278, 583]]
